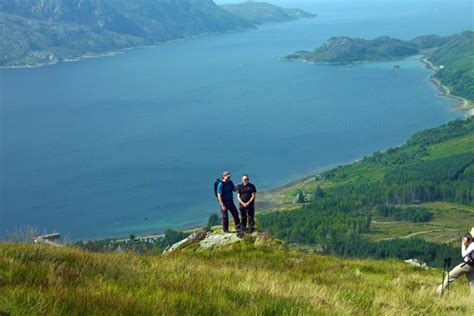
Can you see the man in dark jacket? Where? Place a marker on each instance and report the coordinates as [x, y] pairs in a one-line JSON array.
[[246, 194], [225, 195]]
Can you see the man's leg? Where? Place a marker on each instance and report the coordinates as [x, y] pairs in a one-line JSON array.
[[225, 220], [470, 280], [233, 210], [251, 213], [243, 217], [455, 273]]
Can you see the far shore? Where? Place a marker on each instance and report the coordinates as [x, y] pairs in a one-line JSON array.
[[115, 52]]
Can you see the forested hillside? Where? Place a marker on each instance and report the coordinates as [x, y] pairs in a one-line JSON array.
[[404, 185], [456, 62]]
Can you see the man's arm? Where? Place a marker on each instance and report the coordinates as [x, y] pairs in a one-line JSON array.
[[254, 195], [219, 196], [240, 200], [466, 250]]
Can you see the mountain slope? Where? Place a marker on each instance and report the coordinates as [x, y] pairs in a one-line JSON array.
[[240, 279], [456, 62], [31, 42], [262, 12], [53, 30]]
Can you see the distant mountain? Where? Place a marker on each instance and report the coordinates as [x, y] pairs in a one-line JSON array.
[[262, 12], [33, 32], [30, 42]]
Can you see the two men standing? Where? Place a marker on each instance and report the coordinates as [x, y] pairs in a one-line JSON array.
[[246, 194]]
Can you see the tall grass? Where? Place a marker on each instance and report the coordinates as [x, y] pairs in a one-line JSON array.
[[240, 280]]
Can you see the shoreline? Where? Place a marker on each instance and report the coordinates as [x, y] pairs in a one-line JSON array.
[[118, 51], [463, 105]]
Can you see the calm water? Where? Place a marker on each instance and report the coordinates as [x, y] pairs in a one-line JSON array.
[[93, 148]]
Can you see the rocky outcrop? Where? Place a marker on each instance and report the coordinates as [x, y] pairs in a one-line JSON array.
[[215, 238], [417, 263], [219, 240]]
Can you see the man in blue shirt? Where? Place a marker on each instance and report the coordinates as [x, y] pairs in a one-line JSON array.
[[225, 195]]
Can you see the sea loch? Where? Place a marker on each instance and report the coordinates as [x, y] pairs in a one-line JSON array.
[[132, 143]]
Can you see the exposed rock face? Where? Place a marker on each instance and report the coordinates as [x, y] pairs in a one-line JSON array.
[[197, 236], [219, 240], [202, 240], [417, 263]]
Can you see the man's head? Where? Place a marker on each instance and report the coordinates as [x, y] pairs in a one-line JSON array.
[[245, 179], [226, 176]]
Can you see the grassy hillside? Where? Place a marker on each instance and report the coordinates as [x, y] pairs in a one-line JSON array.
[[242, 279]]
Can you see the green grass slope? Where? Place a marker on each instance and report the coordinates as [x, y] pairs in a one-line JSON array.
[[238, 280]]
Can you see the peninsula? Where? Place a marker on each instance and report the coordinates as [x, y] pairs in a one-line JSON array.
[[452, 57]]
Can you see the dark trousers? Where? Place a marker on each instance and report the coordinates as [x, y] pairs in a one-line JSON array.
[[248, 213], [230, 206]]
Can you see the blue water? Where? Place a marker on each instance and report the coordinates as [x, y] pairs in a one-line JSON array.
[[92, 148]]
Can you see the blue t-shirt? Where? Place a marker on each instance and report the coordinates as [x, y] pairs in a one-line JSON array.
[[226, 189]]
